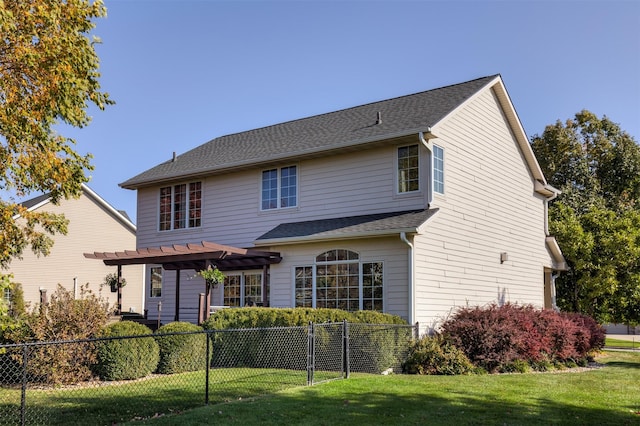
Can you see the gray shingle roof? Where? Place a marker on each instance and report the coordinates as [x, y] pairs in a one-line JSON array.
[[370, 224], [348, 127]]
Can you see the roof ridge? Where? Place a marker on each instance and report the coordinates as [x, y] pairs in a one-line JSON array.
[[349, 108]]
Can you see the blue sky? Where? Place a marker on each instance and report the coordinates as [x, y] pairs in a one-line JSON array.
[[185, 72]]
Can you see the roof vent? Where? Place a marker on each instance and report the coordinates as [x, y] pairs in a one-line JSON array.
[[379, 120], [173, 160]]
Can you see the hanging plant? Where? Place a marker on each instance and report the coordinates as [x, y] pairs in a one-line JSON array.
[[212, 276], [112, 281]]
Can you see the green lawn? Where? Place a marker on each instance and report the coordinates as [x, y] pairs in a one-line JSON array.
[[606, 396], [617, 343]]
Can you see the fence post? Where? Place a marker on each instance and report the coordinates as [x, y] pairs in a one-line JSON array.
[[310, 353], [23, 395], [208, 366], [345, 348]]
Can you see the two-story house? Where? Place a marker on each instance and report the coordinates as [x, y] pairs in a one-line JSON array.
[[411, 206], [94, 224]]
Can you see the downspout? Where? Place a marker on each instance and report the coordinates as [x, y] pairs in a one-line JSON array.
[[411, 317], [429, 145], [546, 212], [554, 274]]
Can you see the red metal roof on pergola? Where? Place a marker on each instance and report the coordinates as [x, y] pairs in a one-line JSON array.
[[190, 256]]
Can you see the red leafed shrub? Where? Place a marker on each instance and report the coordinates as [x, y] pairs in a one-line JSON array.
[[485, 335], [594, 333], [494, 337]]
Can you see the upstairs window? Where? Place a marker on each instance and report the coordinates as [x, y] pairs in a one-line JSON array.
[[438, 169], [279, 188], [180, 206], [408, 169]]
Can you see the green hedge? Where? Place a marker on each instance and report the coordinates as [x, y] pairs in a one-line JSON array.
[[436, 355], [292, 317], [126, 359], [181, 352], [372, 349]]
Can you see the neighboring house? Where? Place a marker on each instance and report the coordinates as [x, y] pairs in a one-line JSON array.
[[412, 206], [93, 224]]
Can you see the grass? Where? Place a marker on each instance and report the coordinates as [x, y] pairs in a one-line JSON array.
[[626, 344], [112, 403], [606, 396]]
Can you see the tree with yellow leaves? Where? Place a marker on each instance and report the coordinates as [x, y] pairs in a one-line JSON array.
[[48, 75]]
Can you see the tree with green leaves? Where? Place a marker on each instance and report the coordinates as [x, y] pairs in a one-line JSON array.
[[596, 219], [48, 76]]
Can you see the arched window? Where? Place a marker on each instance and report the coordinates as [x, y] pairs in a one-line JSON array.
[[340, 280]]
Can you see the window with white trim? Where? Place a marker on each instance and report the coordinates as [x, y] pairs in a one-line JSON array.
[[304, 286], [408, 169], [155, 281], [438, 169], [180, 206], [279, 188], [242, 289], [340, 280]]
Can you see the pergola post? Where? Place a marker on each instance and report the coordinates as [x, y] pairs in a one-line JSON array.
[[177, 314], [119, 309]]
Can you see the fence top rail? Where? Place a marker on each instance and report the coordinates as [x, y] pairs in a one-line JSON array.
[[209, 331], [97, 339]]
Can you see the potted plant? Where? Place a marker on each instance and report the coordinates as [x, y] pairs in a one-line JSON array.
[[212, 276], [112, 281]]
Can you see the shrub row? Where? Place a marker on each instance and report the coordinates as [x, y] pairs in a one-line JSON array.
[[168, 353], [378, 346], [502, 338], [292, 317]]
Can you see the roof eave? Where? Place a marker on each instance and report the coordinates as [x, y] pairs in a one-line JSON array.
[[297, 155], [333, 237], [559, 262]]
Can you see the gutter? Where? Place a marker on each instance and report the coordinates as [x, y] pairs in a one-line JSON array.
[[554, 194], [411, 317]]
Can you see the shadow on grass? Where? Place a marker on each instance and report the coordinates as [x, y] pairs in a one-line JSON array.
[[381, 408], [160, 395], [622, 364]]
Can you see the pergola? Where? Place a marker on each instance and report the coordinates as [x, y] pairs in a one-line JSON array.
[[196, 256]]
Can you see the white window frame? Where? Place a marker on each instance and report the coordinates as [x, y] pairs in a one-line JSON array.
[[397, 171], [151, 268], [243, 279], [314, 269], [188, 208], [438, 185], [279, 198]]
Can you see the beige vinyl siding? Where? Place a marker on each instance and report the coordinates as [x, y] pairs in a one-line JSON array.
[[489, 207], [391, 251], [357, 183], [91, 228]]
